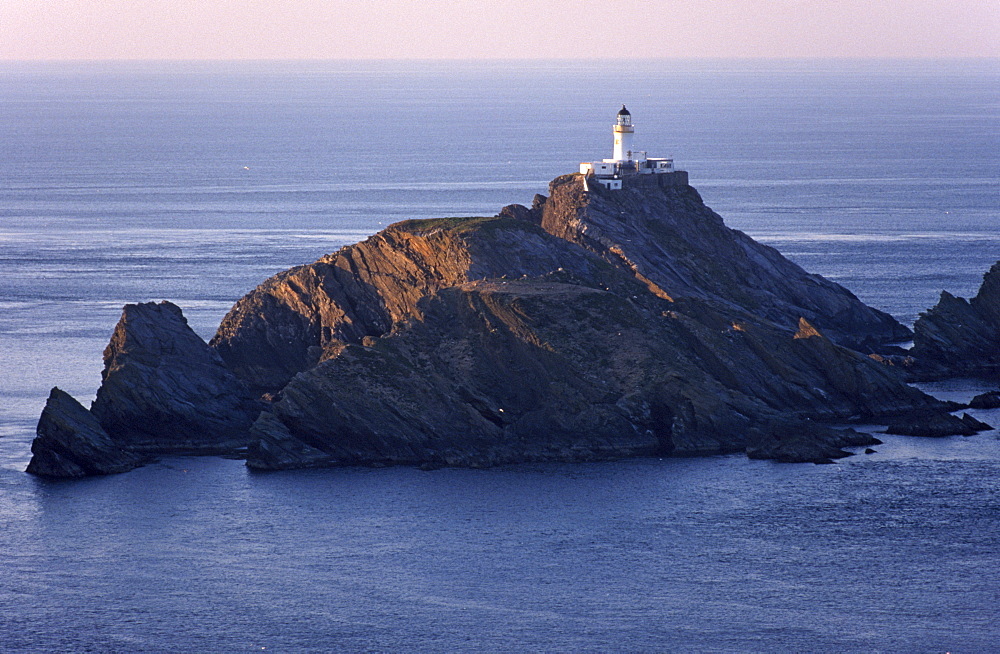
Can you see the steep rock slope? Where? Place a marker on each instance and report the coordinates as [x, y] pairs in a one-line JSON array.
[[664, 237], [71, 443], [668, 237], [959, 336], [299, 317], [559, 368]]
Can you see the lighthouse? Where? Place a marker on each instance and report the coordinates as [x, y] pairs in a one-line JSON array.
[[628, 166], [623, 136]]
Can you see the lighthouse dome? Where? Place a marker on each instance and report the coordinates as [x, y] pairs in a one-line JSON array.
[[624, 117]]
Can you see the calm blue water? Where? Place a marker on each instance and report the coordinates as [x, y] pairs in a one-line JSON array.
[[193, 182]]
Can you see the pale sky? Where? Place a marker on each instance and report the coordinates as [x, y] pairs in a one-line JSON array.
[[496, 29]]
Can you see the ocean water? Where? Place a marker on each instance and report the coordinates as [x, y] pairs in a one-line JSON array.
[[194, 181]]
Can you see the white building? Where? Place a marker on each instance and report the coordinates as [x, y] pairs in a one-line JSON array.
[[625, 160]]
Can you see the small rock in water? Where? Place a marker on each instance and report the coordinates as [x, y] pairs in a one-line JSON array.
[[959, 337], [977, 425], [988, 400], [932, 425]]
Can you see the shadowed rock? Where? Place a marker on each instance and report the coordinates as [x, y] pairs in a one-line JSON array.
[[934, 425], [975, 424], [71, 443], [273, 448], [988, 400], [542, 369], [803, 442], [165, 391], [961, 337]]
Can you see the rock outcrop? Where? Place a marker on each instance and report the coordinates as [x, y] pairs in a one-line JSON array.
[[272, 447], [555, 369], [960, 337], [987, 400], [664, 237], [669, 239], [71, 443], [803, 442], [164, 391], [936, 425], [977, 425]]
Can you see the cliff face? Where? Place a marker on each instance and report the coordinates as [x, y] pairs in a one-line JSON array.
[[559, 369], [165, 391], [664, 237], [670, 238], [960, 337]]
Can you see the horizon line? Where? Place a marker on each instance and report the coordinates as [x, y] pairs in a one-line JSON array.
[[504, 59]]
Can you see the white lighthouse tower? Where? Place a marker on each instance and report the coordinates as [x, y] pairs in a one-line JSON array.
[[629, 164], [623, 136]]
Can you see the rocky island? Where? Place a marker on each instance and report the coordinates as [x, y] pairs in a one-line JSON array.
[[595, 324]]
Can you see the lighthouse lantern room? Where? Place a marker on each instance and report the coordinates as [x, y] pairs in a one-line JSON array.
[[626, 161], [623, 135]]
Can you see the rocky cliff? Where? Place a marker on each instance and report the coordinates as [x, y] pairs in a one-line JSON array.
[[665, 237], [592, 325], [165, 391], [960, 337], [560, 369], [670, 239]]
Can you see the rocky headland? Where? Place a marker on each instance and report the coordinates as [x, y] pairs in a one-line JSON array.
[[594, 324]]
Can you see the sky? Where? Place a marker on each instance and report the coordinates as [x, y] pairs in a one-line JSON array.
[[496, 29]]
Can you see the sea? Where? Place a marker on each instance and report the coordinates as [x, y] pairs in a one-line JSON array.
[[194, 181]]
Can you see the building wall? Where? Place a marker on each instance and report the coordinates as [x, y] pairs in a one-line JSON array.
[[662, 180], [676, 178]]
